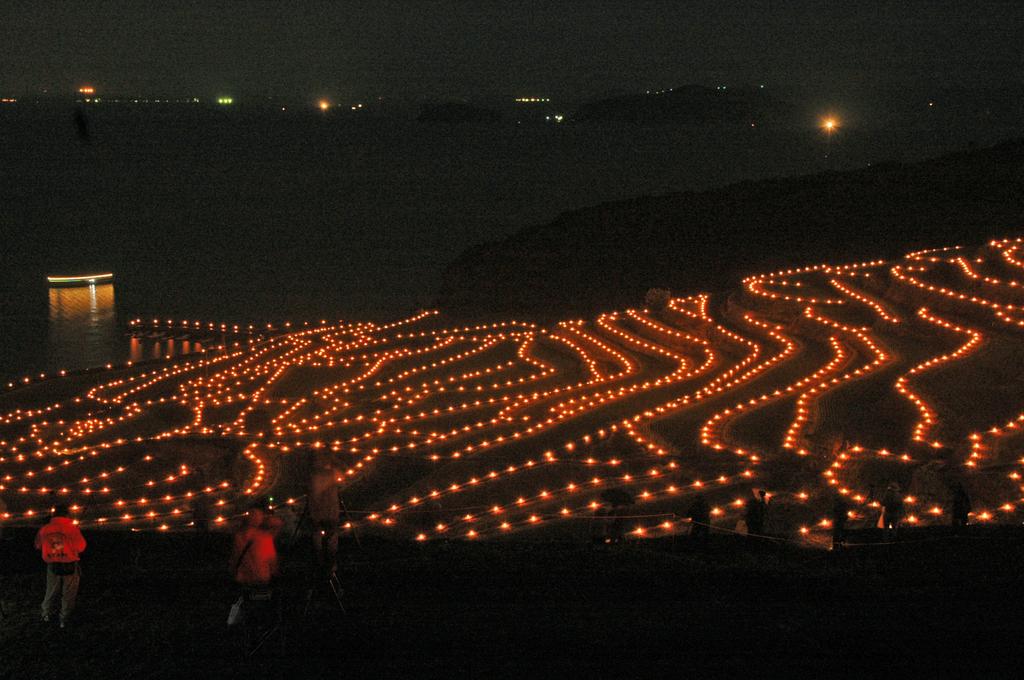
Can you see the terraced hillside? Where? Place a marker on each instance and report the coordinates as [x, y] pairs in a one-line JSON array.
[[832, 379]]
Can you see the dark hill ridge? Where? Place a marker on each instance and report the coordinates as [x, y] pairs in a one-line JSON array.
[[608, 255]]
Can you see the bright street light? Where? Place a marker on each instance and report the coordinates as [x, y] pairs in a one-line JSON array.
[[830, 125]]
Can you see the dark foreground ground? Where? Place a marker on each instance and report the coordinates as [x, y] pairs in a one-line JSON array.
[[154, 606]]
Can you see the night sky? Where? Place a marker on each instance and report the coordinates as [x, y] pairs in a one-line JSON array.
[[565, 49]]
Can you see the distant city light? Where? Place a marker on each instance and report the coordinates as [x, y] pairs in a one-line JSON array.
[[356, 107], [532, 100], [87, 89], [323, 104], [7, 100], [225, 101]]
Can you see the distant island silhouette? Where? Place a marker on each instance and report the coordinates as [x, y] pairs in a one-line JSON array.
[[457, 112], [688, 104]]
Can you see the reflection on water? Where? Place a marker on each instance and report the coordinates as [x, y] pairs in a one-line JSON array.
[[84, 332], [83, 326], [160, 347]]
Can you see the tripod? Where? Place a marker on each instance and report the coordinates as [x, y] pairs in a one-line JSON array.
[[330, 584], [324, 533], [4, 551], [262, 619], [325, 565]]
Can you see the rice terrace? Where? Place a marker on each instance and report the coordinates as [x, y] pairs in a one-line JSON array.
[[835, 378]]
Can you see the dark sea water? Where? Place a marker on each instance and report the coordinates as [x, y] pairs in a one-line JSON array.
[[261, 215]]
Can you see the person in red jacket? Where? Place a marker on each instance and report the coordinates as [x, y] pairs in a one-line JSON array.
[[60, 542], [253, 555]]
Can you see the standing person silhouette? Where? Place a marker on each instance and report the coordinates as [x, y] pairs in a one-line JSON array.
[[324, 513], [699, 513], [892, 509], [961, 507], [840, 514], [757, 510], [60, 542]]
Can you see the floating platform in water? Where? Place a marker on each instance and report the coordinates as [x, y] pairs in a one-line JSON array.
[[83, 280]]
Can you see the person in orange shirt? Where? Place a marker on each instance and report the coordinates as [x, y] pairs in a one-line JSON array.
[[61, 542]]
